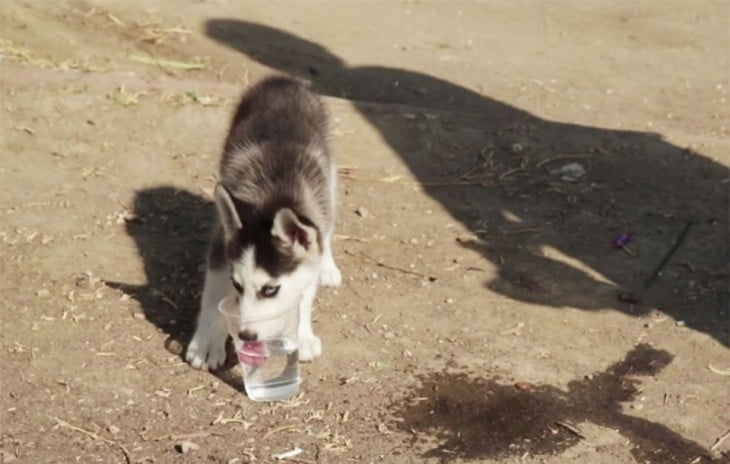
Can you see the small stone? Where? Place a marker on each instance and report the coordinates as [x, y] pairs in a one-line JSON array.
[[185, 446], [42, 293], [449, 301], [523, 386], [628, 297], [571, 172], [680, 323], [362, 212], [113, 429]]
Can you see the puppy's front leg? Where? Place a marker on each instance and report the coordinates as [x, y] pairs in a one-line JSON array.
[[207, 349], [310, 346]]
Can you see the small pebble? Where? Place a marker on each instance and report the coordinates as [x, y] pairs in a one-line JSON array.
[[362, 212], [184, 447], [628, 297]]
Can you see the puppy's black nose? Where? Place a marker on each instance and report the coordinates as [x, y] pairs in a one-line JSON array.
[[247, 336]]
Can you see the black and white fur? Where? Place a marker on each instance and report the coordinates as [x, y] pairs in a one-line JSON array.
[[276, 204]]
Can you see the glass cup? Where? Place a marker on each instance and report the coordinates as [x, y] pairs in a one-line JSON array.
[[270, 363]]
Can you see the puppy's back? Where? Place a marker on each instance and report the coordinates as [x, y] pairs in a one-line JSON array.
[[279, 109]]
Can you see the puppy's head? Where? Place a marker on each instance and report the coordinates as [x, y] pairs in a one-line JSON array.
[[274, 257]]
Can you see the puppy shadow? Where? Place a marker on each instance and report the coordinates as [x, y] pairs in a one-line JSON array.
[[171, 228]]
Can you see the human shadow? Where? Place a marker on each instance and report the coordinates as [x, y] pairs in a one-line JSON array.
[[171, 228], [475, 419], [548, 233]]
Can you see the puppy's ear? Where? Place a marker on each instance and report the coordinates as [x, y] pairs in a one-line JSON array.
[[227, 212], [292, 235]]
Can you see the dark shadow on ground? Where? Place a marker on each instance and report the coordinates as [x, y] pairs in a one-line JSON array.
[[171, 228], [476, 419], [534, 224]]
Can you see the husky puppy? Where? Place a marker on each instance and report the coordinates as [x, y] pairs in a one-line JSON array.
[[276, 205]]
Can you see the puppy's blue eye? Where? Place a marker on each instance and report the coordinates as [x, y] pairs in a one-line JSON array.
[[269, 291]]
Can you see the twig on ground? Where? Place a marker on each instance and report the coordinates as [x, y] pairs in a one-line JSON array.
[[390, 267], [561, 158], [187, 436], [519, 231], [277, 430], [167, 64], [505, 174], [669, 255], [570, 428], [438, 183], [574, 430], [715, 370], [95, 436], [720, 440], [342, 238]]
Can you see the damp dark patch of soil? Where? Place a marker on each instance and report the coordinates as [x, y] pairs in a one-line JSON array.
[[476, 418]]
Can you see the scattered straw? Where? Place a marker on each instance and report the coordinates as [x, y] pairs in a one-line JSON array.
[[167, 64], [194, 389], [14, 52], [125, 98], [156, 35], [94, 436], [236, 419]]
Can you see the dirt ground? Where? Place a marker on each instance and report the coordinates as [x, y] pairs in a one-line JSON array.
[[484, 315]]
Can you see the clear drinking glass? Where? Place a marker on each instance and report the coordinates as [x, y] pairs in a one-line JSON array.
[[270, 364]]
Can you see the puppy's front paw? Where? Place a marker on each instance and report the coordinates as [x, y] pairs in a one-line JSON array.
[[330, 276], [207, 349], [310, 347]]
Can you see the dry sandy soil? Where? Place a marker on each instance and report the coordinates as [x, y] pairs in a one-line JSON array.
[[484, 317]]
